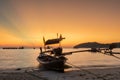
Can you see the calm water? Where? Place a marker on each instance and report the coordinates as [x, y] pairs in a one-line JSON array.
[[22, 58]]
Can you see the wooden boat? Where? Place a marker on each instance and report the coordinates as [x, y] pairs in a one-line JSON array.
[[52, 58], [52, 63]]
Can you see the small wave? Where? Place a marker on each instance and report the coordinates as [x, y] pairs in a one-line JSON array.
[[100, 66]]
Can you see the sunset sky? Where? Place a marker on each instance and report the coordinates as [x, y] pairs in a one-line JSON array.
[[25, 22]]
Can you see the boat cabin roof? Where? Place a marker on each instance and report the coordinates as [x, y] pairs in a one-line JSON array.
[[53, 41]]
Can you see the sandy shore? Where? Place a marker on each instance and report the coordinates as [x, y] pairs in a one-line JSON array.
[[70, 74]]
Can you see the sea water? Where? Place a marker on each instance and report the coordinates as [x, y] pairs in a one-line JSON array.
[[24, 58]]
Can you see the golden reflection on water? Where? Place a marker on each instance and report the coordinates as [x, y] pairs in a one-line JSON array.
[[18, 58], [93, 59], [22, 58]]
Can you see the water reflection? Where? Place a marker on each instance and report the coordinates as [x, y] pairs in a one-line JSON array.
[[18, 58], [21, 58]]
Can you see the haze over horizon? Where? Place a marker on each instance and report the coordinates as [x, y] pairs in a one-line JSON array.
[[25, 22]]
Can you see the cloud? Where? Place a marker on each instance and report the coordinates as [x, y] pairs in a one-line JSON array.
[[7, 13]]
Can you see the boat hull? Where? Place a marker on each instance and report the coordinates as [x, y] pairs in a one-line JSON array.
[[56, 64]]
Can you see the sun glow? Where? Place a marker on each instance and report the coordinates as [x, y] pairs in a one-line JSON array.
[[26, 22]]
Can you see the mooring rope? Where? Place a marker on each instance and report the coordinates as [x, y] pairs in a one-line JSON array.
[[86, 71]]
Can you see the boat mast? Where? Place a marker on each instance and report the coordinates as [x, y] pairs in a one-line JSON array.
[[44, 43]]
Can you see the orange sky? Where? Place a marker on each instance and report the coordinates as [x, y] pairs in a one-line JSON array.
[[25, 22]]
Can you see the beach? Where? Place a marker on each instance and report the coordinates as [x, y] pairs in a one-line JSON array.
[[69, 74], [15, 65]]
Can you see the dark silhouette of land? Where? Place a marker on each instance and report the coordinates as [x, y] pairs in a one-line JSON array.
[[96, 45]]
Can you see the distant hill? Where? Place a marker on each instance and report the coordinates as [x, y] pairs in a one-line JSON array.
[[95, 45]]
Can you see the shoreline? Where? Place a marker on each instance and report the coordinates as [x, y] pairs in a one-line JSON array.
[[70, 74], [69, 65]]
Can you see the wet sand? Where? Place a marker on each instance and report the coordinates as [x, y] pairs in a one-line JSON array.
[[70, 74]]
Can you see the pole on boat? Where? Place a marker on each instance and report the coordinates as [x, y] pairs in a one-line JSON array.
[[44, 42], [41, 49], [67, 53]]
